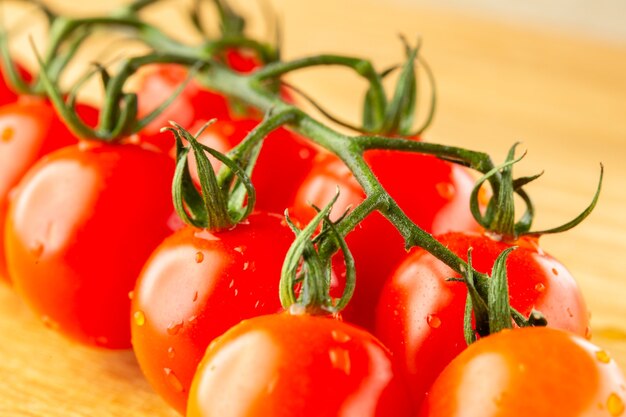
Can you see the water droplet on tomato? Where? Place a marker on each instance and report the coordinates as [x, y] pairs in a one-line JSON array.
[[304, 153], [171, 353], [36, 249], [239, 249], [199, 257], [102, 341], [603, 356], [7, 134], [340, 359], [340, 337], [540, 287], [433, 321], [246, 265], [445, 190], [231, 284], [615, 405], [555, 271], [49, 323], [272, 385], [236, 292], [192, 319], [174, 328], [256, 305], [173, 380], [139, 317]]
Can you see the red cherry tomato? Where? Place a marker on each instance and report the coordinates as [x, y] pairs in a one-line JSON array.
[[284, 161], [157, 84], [286, 365], [81, 225], [29, 129], [420, 313], [242, 60], [7, 95], [433, 193], [195, 286], [539, 372]]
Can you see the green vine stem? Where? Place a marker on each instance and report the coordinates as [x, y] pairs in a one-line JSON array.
[[253, 89]]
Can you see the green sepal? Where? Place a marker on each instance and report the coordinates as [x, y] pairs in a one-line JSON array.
[[302, 247], [373, 111], [499, 216], [212, 208], [401, 109], [498, 295], [582, 216], [474, 304], [186, 198]]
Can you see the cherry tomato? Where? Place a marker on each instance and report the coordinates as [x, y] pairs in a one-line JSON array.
[[157, 84], [538, 372], [195, 286], [285, 365], [242, 60], [81, 225], [284, 161], [420, 312], [433, 193], [29, 129], [7, 95]]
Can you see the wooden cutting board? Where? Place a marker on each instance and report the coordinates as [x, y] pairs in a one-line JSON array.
[[563, 96]]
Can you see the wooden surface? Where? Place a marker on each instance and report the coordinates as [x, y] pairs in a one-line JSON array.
[[564, 97]]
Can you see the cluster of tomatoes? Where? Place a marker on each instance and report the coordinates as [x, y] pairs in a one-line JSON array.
[[93, 244]]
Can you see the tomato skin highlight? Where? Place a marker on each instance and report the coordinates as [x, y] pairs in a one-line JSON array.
[[420, 314], [195, 286], [286, 365], [29, 129], [82, 223], [433, 193], [541, 372]]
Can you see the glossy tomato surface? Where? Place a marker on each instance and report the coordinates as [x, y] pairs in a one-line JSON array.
[[7, 94], [433, 193], [157, 84], [420, 313], [539, 372], [195, 286], [284, 161], [81, 225], [285, 365], [29, 129]]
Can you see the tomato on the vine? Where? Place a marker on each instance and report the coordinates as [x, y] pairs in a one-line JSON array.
[[286, 365], [539, 372], [29, 129], [195, 286], [420, 311], [157, 84], [7, 94], [82, 223], [433, 193], [284, 161]]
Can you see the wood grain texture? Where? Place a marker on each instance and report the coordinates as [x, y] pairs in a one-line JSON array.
[[563, 97]]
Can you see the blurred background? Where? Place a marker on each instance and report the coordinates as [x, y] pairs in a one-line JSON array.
[[602, 19]]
